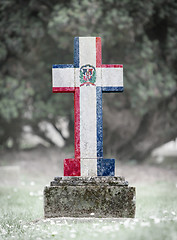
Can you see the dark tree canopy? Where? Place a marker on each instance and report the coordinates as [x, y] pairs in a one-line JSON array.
[[141, 35]]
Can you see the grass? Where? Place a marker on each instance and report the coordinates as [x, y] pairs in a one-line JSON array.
[[21, 202], [21, 216]]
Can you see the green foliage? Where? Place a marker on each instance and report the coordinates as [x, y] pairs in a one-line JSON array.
[[15, 96], [36, 34]]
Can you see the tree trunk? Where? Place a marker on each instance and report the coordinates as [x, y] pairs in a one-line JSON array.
[[152, 130]]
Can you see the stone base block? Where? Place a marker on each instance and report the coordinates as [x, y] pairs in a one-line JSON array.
[[89, 197]]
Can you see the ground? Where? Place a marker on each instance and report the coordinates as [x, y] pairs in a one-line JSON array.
[[24, 174]]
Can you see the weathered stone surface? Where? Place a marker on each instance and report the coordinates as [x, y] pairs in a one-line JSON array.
[[89, 197], [85, 181], [88, 79]]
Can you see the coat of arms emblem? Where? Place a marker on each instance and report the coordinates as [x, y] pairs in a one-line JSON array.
[[87, 75]]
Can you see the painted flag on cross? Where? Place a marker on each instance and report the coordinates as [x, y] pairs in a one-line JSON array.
[[88, 79]]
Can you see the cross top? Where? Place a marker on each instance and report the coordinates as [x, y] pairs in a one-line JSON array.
[[88, 78]]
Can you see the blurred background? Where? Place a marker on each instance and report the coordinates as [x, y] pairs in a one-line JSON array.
[[141, 35], [37, 126]]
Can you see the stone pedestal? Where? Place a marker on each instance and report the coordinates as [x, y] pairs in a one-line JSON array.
[[89, 197]]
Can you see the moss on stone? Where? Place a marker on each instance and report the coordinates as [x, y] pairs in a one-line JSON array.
[[103, 200]]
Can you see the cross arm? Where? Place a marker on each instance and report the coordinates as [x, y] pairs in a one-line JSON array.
[[112, 78], [63, 78]]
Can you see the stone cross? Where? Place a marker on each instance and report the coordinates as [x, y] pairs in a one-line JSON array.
[[88, 78]]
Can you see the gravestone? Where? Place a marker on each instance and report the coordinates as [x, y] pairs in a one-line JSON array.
[[89, 186]]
